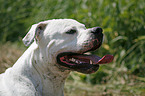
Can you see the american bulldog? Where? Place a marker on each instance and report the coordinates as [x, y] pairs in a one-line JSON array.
[[56, 47]]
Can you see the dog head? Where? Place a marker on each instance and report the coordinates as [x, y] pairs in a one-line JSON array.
[[64, 42]]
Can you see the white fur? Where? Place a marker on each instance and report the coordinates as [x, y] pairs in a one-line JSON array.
[[36, 72]]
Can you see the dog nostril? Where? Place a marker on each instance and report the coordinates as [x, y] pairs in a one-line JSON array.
[[97, 30]]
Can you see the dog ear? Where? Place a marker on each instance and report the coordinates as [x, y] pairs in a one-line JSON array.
[[34, 33]]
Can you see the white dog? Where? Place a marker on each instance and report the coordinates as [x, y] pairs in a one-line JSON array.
[[59, 46]]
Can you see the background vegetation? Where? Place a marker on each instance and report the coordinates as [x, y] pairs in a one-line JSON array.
[[123, 22]]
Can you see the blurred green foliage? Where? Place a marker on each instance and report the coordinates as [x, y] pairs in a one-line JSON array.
[[123, 22]]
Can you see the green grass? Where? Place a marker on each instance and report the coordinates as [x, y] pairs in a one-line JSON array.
[[123, 25]]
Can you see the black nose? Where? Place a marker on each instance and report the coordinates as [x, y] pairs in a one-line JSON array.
[[97, 30]]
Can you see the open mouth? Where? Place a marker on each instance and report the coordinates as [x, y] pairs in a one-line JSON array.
[[82, 62]]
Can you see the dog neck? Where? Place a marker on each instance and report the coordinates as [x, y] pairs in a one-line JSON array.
[[48, 78]]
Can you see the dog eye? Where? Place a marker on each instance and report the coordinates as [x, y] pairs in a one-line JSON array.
[[72, 31]]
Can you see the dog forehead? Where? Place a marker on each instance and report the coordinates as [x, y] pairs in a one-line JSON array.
[[58, 26], [65, 23]]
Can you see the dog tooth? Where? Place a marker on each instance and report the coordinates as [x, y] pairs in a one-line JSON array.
[[91, 62], [73, 59], [77, 61]]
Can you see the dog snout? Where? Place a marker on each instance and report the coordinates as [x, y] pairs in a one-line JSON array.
[[97, 36], [97, 30]]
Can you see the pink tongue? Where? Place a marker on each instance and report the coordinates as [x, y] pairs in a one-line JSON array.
[[96, 59], [105, 59]]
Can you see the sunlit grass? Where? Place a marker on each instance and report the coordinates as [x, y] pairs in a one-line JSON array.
[[9, 53]]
